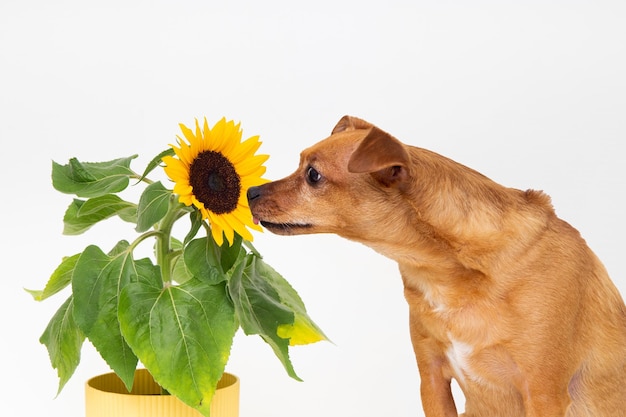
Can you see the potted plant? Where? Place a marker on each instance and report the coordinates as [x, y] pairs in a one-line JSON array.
[[176, 311]]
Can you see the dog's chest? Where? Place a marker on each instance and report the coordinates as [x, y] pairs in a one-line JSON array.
[[462, 334], [459, 356]]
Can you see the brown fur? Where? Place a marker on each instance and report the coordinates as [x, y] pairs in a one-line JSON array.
[[503, 296]]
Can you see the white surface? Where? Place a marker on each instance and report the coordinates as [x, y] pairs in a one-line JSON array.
[[531, 95]]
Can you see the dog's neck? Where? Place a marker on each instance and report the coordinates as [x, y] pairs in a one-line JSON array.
[[460, 221]]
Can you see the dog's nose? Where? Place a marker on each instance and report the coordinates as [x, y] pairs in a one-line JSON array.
[[253, 193]]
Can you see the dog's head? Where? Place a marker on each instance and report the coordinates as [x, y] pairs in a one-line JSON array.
[[346, 184], [408, 203]]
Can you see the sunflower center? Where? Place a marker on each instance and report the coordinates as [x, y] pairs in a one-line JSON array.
[[215, 182]]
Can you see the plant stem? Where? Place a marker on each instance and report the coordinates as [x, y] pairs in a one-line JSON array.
[[163, 243]]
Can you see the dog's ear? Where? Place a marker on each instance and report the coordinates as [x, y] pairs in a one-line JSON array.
[[350, 123], [383, 156]]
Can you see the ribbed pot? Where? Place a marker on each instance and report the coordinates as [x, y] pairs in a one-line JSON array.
[[106, 396]]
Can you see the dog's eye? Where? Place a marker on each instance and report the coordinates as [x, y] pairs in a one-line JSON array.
[[312, 176]]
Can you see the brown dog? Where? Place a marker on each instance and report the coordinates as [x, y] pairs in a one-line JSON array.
[[504, 296]]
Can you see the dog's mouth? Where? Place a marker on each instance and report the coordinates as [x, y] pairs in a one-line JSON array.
[[282, 228]]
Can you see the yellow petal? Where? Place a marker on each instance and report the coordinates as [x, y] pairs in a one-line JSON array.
[[183, 152], [215, 136], [248, 182], [185, 199], [219, 227], [244, 222], [176, 171], [244, 216], [187, 133], [183, 189], [245, 149], [232, 135], [228, 227], [218, 236], [252, 166]]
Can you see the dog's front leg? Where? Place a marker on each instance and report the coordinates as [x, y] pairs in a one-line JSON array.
[[436, 392], [435, 389]]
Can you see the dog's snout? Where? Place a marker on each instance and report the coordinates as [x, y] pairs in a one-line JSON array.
[[253, 193]]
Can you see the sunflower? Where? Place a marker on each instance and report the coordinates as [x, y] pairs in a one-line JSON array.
[[213, 171]]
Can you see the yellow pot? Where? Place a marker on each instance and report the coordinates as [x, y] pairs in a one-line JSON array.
[[106, 396]]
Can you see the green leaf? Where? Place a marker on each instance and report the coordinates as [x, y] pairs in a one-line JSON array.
[[92, 179], [156, 161], [60, 278], [180, 273], [203, 260], [182, 334], [231, 254], [260, 309], [303, 330], [98, 279], [107, 206], [64, 340], [196, 223], [153, 206], [82, 215]]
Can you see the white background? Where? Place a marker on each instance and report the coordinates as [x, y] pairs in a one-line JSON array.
[[531, 93]]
